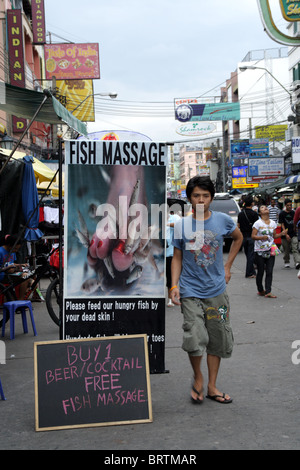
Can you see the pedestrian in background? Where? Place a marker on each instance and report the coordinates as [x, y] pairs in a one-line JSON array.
[[264, 233], [246, 219], [290, 240], [274, 211]]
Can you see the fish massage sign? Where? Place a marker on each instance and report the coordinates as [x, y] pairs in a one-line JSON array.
[[115, 218]]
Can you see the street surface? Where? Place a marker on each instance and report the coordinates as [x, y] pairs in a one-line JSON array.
[[260, 377]]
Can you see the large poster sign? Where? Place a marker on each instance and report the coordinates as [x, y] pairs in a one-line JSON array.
[[114, 280], [193, 109], [72, 61]]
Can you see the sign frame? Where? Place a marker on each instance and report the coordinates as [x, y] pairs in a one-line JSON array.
[[37, 385]]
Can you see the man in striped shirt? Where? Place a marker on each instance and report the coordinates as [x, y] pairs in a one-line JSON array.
[[274, 211]]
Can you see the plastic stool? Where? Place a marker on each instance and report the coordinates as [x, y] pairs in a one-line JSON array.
[[1, 392], [10, 309]]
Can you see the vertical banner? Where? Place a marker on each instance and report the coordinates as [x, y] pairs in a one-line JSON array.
[[114, 276], [38, 21], [16, 59]]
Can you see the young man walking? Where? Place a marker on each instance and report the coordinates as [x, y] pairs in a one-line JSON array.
[[199, 271], [290, 240]]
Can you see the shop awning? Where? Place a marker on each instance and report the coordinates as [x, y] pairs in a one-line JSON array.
[[24, 103], [292, 179], [41, 171]]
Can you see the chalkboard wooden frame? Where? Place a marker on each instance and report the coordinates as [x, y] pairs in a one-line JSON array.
[[49, 382]]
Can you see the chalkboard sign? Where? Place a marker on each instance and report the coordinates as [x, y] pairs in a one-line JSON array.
[[92, 382]]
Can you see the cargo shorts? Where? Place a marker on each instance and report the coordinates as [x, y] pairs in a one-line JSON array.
[[206, 326]]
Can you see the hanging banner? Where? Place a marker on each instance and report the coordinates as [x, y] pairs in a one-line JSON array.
[[259, 148], [38, 22], [114, 280], [193, 109], [79, 96], [239, 151], [273, 133], [16, 59], [72, 61]]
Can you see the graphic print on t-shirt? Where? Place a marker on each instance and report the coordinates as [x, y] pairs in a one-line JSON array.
[[205, 250]]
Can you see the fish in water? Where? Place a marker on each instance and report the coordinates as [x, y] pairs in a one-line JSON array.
[[135, 274], [90, 286]]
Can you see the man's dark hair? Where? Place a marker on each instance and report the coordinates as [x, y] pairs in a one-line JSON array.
[[287, 201], [203, 182], [248, 201]]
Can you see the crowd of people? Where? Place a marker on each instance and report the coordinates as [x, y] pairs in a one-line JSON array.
[[261, 227], [198, 274]]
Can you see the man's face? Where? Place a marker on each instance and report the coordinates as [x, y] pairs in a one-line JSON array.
[[202, 197], [288, 207]]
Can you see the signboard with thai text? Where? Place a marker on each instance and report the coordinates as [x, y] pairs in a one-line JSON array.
[[72, 61], [273, 133], [261, 167]]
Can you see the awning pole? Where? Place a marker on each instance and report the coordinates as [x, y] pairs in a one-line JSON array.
[[47, 95]]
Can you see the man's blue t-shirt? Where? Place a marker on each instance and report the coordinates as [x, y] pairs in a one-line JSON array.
[[5, 259], [201, 243]]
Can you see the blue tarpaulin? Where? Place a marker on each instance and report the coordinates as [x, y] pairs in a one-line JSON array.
[[30, 202]]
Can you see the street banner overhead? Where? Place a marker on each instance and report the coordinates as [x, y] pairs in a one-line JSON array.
[[72, 61], [193, 109]]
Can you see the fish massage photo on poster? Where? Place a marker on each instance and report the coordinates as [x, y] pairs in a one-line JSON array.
[[114, 262]]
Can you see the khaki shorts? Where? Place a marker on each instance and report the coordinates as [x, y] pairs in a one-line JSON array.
[[206, 326]]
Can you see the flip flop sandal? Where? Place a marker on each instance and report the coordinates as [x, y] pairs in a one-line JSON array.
[[215, 398], [262, 293], [271, 296], [197, 401]]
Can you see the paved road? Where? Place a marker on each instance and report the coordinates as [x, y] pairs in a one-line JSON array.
[[261, 378]]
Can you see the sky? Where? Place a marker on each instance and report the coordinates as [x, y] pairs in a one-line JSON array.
[[156, 51]]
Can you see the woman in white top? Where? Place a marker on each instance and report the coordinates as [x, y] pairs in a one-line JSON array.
[[264, 232]]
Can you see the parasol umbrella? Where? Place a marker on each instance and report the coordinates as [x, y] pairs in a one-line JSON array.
[[30, 202]]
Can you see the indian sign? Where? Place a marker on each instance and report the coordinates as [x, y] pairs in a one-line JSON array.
[[72, 61]]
